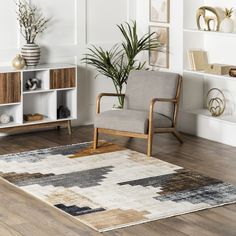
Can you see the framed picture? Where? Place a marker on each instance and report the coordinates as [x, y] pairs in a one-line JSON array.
[[160, 58], [159, 11]]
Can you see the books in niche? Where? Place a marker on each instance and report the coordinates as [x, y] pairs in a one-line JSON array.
[[198, 60]]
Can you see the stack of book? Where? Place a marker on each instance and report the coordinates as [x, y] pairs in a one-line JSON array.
[[198, 60]]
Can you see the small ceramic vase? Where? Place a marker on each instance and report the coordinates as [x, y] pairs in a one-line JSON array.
[[227, 25], [18, 62], [31, 54]]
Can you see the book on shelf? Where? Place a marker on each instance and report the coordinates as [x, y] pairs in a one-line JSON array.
[[218, 69], [198, 59]]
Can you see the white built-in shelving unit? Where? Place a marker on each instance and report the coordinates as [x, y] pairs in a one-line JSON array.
[[58, 87], [221, 48]]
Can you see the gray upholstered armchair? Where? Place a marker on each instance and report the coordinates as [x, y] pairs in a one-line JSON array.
[[151, 105]]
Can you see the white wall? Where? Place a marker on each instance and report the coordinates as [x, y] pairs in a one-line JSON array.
[[75, 25]]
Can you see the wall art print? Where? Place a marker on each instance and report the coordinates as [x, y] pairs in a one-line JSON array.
[[160, 58], [160, 11]]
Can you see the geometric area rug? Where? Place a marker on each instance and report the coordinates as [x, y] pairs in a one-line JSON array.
[[112, 187]]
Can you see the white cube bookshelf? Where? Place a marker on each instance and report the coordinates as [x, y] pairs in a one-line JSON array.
[[58, 86], [221, 48]]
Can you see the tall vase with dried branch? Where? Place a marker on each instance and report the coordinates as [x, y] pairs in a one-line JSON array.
[[32, 23]]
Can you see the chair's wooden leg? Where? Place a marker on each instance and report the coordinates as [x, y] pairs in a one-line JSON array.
[[150, 140], [69, 127], [95, 138], [178, 136]]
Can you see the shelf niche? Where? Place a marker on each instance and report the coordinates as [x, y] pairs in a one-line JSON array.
[[14, 111], [42, 76], [41, 103], [67, 99]]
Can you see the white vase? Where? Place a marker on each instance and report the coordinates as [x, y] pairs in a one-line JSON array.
[[227, 25], [31, 54]]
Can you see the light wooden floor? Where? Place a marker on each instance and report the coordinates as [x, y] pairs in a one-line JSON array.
[[23, 215]]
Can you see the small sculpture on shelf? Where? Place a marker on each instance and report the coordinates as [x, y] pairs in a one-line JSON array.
[[216, 102], [32, 84], [63, 112], [232, 72], [210, 17], [18, 62], [33, 117], [5, 119], [227, 24]]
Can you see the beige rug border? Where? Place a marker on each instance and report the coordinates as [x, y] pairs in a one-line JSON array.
[[109, 228]]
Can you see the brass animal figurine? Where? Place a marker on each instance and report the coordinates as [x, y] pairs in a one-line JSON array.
[[203, 12]]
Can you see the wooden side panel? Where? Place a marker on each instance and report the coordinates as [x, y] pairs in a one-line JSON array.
[[62, 78], [10, 88]]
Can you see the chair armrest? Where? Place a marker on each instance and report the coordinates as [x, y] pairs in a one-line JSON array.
[[99, 97], [152, 104]]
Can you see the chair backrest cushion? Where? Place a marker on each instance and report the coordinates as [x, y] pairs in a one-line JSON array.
[[144, 85]]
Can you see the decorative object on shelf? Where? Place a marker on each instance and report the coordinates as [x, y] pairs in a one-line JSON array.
[[5, 119], [232, 72], [33, 117], [216, 102], [218, 69], [208, 19], [31, 23], [18, 62], [32, 84], [31, 54], [63, 112], [120, 60], [198, 59], [227, 24], [159, 11], [160, 58]]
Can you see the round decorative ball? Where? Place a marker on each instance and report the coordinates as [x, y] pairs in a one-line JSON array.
[[18, 62], [5, 119], [216, 102]]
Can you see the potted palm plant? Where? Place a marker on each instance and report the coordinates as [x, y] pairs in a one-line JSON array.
[[32, 23], [120, 60]]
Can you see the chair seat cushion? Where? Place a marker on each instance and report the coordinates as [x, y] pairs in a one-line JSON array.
[[130, 120]]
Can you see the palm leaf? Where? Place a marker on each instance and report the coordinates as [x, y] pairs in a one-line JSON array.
[[119, 61]]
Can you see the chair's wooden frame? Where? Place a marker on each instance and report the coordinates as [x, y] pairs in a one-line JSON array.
[[151, 129]]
